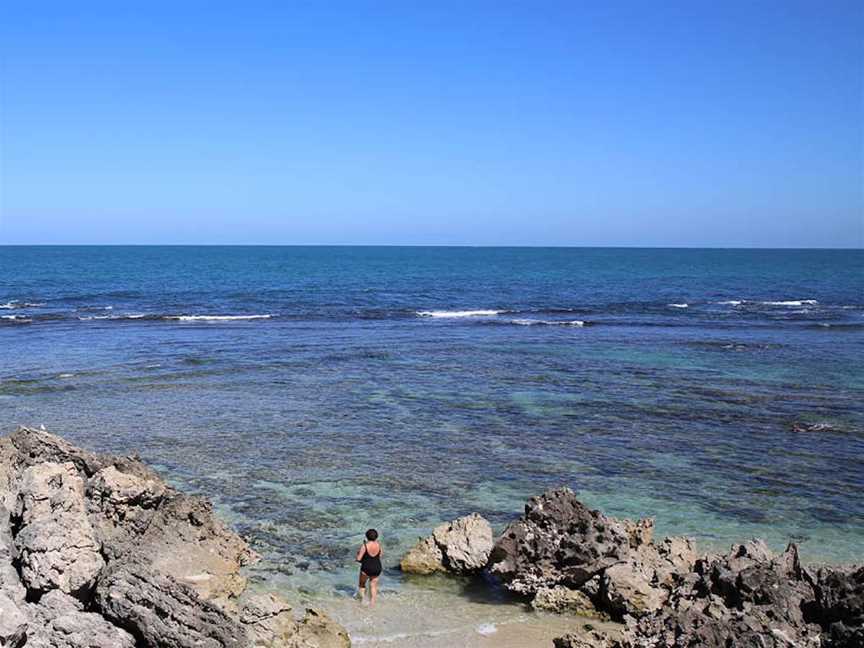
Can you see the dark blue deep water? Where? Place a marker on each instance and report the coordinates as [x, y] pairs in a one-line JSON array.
[[721, 391]]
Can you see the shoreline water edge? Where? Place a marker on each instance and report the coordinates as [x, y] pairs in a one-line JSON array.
[[98, 551]]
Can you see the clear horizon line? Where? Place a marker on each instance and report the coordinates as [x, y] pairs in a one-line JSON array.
[[439, 245]]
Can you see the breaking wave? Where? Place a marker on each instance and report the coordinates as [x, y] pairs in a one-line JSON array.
[[535, 322], [459, 313]]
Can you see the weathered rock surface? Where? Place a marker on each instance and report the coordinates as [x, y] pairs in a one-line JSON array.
[[839, 605], [563, 600], [160, 611], [425, 557], [269, 623], [97, 551], [642, 582], [748, 597], [571, 559], [459, 547], [560, 541], [317, 630], [55, 541], [62, 623], [268, 620]]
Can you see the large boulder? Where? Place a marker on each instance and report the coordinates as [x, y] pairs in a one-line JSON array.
[[459, 547], [560, 541], [55, 541]]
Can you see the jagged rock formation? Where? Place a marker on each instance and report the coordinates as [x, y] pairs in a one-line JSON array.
[[459, 547], [570, 559], [561, 545], [98, 551]]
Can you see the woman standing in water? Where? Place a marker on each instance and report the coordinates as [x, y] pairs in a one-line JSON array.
[[369, 557]]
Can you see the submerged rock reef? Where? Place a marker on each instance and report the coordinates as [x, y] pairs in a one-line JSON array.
[[98, 551], [564, 557]]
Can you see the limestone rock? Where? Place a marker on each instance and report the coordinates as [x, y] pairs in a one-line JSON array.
[[559, 541], [268, 620], [13, 622], [172, 576], [425, 557], [748, 597], [564, 600], [187, 541], [55, 541], [590, 639], [10, 584], [121, 507], [459, 547], [61, 622], [642, 583], [317, 630], [465, 543], [160, 611], [839, 606], [37, 446]]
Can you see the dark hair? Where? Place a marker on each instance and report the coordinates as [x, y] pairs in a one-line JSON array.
[[372, 535]]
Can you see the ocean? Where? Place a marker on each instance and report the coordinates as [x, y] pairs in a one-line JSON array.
[[313, 392]]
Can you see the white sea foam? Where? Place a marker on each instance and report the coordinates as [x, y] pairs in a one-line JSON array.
[[214, 318], [536, 322], [486, 629], [464, 313], [399, 636], [12, 305], [791, 302], [678, 305], [19, 319], [788, 302], [66, 375]]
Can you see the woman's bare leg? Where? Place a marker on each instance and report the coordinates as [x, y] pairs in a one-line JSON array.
[[373, 589], [361, 587]]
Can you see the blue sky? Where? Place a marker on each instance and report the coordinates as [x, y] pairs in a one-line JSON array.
[[495, 123]]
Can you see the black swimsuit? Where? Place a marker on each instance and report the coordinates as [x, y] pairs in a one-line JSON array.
[[371, 565]]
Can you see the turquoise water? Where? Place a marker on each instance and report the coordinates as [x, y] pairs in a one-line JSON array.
[[398, 387]]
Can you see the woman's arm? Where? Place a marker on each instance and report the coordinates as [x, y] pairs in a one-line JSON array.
[[361, 552]]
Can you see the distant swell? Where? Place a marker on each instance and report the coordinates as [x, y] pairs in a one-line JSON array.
[[175, 318], [749, 302], [534, 322], [459, 313], [214, 318]]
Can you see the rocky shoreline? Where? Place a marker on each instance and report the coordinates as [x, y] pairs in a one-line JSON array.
[[98, 551], [564, 557]]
